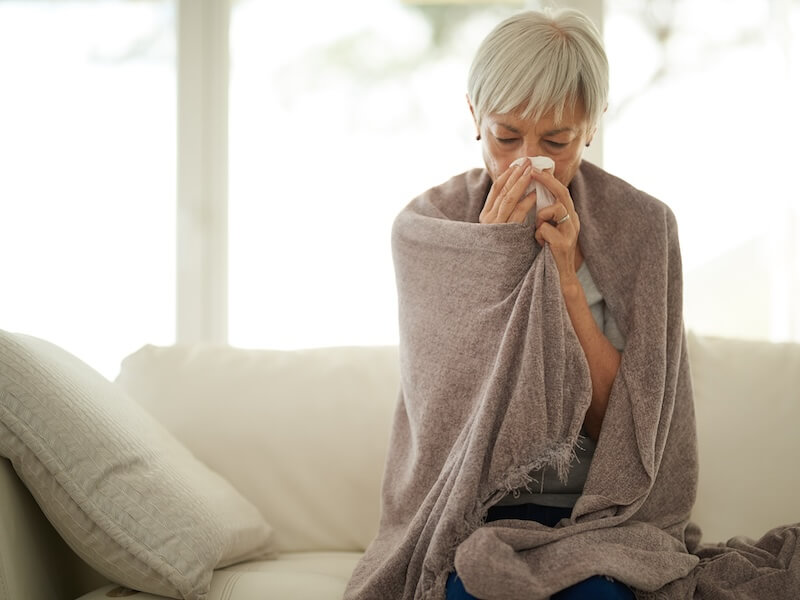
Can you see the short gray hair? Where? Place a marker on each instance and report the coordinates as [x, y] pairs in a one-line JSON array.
[[548, 60]]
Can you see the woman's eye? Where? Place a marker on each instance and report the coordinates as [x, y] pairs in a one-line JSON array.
[[556, 145], [507, 140]]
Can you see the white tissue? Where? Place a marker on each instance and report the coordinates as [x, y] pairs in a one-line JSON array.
[[543, 195]]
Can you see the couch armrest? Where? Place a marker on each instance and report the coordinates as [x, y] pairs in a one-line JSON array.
[[34, 561]]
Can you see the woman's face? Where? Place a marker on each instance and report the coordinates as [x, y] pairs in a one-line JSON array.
[[508, 137]]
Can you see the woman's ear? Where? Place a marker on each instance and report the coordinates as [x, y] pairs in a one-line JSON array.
[[590, 137], [474, 118], [594, 130]]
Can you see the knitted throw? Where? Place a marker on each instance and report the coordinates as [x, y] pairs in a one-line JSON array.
[[494, 384]]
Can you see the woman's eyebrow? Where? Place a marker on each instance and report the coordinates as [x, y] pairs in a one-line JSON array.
[[510, 128], [546, 133], [559, 130]]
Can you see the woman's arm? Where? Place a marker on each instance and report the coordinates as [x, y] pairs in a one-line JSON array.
[[601, 355], [559, 226]]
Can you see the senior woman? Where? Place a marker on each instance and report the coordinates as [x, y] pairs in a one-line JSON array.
[[530, 456]]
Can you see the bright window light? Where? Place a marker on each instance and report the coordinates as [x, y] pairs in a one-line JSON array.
[[703, 115], [336, 123], [87, 192]]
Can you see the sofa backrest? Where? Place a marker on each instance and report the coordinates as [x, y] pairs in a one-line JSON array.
[[303, 434], [747, 403]]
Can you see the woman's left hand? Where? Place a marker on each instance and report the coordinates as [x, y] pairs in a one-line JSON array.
[[559, 225]]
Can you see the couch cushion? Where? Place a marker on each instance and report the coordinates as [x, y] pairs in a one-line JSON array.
[[294, 576], [123, 493], [747, 401], [302, 434]]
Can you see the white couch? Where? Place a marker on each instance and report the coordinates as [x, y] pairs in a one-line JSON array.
[[303, 436]]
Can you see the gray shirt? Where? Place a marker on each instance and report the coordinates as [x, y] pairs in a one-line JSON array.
[[546, 489]]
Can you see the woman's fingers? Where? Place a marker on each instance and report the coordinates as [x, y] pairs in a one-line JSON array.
[[543, 233], [558, 189], [523, 208], [490, 206], [562, 246], [505, 193], [512, 194], [558, 215]]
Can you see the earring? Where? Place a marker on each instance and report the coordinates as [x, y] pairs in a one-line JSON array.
[[587, 144], [478, 137]]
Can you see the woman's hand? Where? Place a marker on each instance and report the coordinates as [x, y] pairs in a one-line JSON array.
[[505, 203], [559, 225]]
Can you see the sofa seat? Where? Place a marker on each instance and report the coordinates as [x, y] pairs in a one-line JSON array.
[[295, 575]]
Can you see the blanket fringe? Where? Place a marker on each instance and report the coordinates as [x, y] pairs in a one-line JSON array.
[[558, 456]]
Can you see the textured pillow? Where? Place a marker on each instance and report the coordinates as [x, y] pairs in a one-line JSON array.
[[125, 495]]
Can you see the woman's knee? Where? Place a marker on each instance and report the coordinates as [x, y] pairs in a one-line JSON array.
[[596, 588], [455, 589], [593, 588]]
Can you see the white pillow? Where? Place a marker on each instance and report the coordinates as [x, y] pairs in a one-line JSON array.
[[125, 495]]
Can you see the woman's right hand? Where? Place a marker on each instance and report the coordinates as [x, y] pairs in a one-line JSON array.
[[505, 203]]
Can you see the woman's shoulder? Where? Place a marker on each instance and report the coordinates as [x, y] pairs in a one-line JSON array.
[[472, 182], [462, 196], [599, 179], [615, 197]]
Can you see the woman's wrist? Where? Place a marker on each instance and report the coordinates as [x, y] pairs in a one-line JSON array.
[[571, 288]]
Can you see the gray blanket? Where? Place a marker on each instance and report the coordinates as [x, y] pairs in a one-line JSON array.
[[495, 384]]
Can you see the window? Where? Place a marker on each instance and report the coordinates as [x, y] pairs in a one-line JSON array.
[[332, 125], [336, 123], [704, 116], [87, 232]]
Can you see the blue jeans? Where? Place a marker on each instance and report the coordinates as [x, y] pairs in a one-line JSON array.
[[594, 588]]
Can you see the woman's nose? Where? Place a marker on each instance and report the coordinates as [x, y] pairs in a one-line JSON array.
[[530, 148]]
